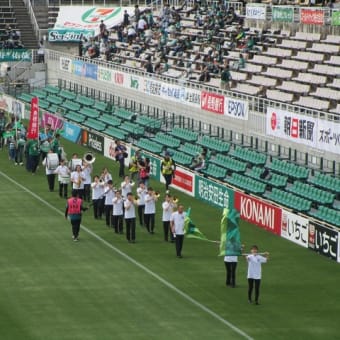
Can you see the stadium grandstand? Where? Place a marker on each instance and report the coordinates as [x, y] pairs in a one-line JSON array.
[[254, 84]]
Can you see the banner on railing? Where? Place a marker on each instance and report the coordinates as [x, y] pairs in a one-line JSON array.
[[54, 121], [294, 228], [13, 106], [256, 11], [312, 16], [89, 18], [69, 35], [184, 181], [283, 13], [71, 132], [93, 140], [15, 54], [317, 133], [335, 18], [236, 108]]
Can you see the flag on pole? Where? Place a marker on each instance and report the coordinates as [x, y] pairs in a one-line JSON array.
[[190, 230], [33, 127], [230, 244]]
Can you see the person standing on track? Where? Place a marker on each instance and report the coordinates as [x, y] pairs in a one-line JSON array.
[[74, 207], [177, 221]]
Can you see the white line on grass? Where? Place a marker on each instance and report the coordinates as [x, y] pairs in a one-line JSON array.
[[141, 266]]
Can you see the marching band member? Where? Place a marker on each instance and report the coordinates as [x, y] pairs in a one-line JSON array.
[[78, 178], [105, 176], [87, 170], [33, 155], [63, 173], [130, 217], [126, 186], [117, 213], [109, 192], [97, 196], [141, 192], [177, 221], [150, 210], [168, 168], [50, 174], [168, 207]]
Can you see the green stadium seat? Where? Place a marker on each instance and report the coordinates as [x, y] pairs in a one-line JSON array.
[[229, 163], [184, 134], [101, 106], [39, 93], [289, 169], [53, 99], [25, 97], [67, 94], [94, 124], [84, 100], [214, 144], [274, 180], [109, 119], [191, 149], [133, 129], [43, 104], [76, 117], [149, 145], [149, 123], [326, 214], [88, 112], [181, 158], [115, 133], [69, 105], [52, 89], [167, 140], [215, 171], [250, 156], [124, 113], [247, 184], [326, 181]]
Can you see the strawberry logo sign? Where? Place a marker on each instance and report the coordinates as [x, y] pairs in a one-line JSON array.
[[95, 15], [273, 121]]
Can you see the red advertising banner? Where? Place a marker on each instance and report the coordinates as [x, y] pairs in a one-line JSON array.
[[33, 127], [312, 16], [184, 181], [212, 102], [258, 212]]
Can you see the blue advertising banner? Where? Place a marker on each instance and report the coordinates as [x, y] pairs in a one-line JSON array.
[[71, 132], [78, 67], [91, 71]]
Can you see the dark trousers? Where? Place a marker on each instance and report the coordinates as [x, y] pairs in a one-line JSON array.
[[50, 181], [87, 192], [168, 180], [63, 189], [19, 155], [231, 271], [108, 214], [80, 192], [117, 221], [149, 222], [97, 208], [179, 244], [251, 283], [167, 229], [75, 227], [33, 163], [130, 229], [121, 168], [141, 209]]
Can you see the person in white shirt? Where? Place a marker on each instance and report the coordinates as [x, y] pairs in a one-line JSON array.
[[87, 170], [168, 207], [97, 197], [126, 186], [141, 193], [255, 261], [177, 227], [150, 210], [118, 212], [78, 178], [105, 176], [63, 173], [109, 193], [50, 173], [130, 217]]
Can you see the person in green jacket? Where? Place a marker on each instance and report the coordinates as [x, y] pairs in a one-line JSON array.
[[33, 155]]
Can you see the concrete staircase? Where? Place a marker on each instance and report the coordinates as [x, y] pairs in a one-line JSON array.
[[41, 14], [28, 37]]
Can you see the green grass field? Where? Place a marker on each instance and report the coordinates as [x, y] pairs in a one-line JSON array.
[[105, 288]]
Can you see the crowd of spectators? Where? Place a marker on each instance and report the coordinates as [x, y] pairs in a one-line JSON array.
[[192, 41], [11, 38]]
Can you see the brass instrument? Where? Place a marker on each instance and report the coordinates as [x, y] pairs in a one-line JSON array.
[[79, 181], [157, 194], [175, 200], [89, 158]]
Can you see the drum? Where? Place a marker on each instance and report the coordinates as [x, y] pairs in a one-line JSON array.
[[75, 162], [52, 161], [64, 179]]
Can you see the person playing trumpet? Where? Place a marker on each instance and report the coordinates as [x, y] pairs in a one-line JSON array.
[[87, 170], [168, 206], [118, 212], [150, 210], [63, 173], [126, 186], [130, 217], [97, 197], [141, 193], [109, 192], [78, 178]]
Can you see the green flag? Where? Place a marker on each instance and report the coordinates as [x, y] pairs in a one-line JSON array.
[[230, 244], [7, 134], [190, 230]]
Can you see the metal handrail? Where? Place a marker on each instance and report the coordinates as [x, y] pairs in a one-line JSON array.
[[34, 22]]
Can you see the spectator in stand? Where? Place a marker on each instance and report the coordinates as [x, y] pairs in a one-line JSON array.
[[131, 34], [126, 20], [137, 13], [41, 52], [148, 66], [225, 78], [141, 25], [103, 32]]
